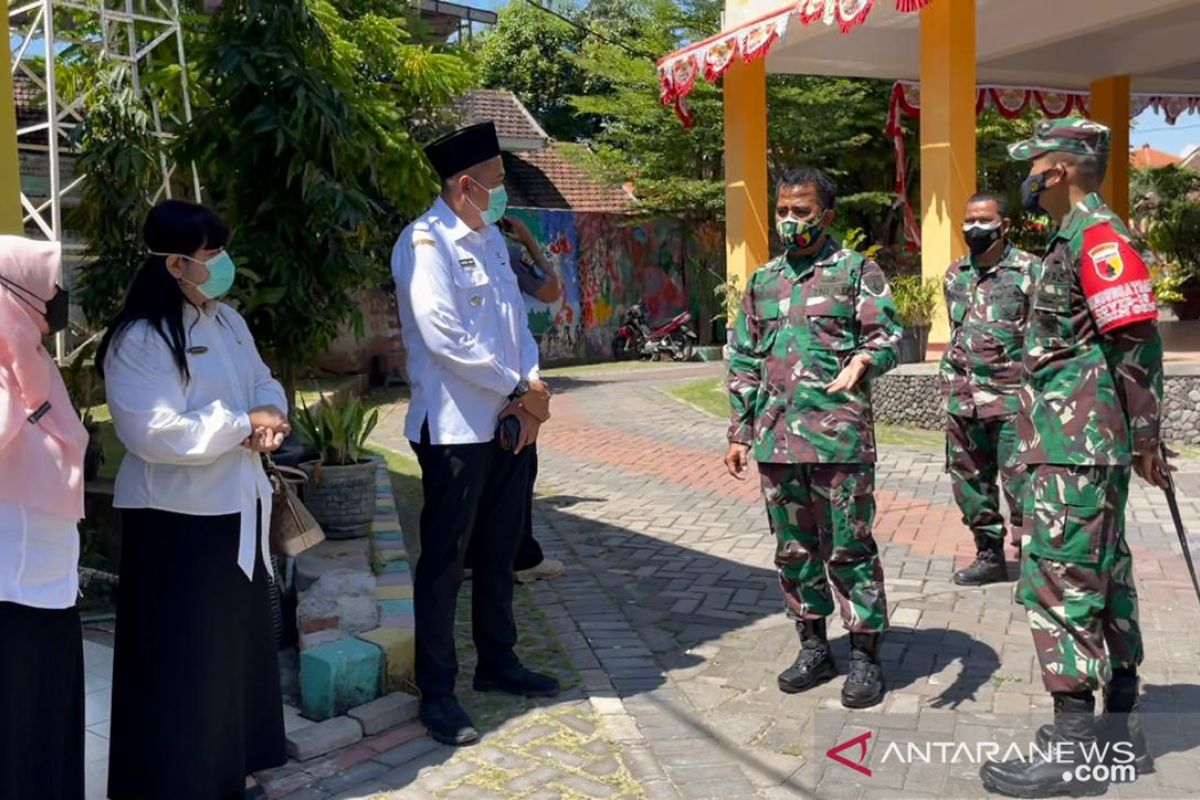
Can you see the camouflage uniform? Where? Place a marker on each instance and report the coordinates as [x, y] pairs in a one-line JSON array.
[[981, 376], [1090, 400], [802, 320]]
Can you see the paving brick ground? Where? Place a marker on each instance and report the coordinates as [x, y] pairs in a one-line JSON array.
[[670, 627]]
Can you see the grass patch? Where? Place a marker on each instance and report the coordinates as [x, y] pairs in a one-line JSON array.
[[709, 396], [609, 367]]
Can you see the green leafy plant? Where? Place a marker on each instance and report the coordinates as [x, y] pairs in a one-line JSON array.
[[337, 428], [729, 294], [916, 299], [1169, 281], [119, 154], [1166, 213], [854, 239], [83, 383]]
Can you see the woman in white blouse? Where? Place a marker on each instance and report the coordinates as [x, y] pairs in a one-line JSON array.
[[42, 444], [196, 696]]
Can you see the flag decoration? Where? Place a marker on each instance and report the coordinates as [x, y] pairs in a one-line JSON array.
[[711, 58], [1010, 102]]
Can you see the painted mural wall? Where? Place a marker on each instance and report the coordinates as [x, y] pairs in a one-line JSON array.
[[609, 262]]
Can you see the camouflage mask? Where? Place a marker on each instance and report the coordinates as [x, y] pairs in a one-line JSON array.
[[798, 234]]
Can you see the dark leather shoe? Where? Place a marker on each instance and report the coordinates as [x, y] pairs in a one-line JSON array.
[[1073, 734], [516, 680], [864, 686], [988, 566], [447, 723], [1121, 726], [814, 664]]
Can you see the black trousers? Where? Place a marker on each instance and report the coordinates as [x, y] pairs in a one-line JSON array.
[[471, 492], [529, 553], [196, 698], [41, 703]]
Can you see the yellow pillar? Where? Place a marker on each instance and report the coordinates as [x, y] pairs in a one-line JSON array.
[[947, 138], [10, 167], [1110, 106], [747, 210]]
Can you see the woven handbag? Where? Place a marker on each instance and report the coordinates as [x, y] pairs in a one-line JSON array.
[[293, 527]]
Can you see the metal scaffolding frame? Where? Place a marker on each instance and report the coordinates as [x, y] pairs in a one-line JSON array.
[[130, 31]]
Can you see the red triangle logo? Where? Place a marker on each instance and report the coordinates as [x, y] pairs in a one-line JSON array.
[[835, 753]]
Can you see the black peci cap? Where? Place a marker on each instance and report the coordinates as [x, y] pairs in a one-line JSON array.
[[463, 149]]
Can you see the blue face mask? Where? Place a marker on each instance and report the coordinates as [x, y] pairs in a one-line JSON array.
[[221, 271], [497, 203]]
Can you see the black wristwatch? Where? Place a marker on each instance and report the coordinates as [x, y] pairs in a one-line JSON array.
[[521, 390]]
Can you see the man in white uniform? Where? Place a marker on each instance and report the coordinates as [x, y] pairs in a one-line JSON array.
[[471, 363]]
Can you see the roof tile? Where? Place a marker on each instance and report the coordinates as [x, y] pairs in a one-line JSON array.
[[512, 120], [547, 179]]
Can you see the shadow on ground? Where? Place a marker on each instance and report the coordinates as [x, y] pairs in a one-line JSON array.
[[633, 608]]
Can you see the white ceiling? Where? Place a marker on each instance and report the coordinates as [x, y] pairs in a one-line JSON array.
[[1048, 43]]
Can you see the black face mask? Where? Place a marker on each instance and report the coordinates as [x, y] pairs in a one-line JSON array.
[[980, 240], [57, 310], [1031, 191]]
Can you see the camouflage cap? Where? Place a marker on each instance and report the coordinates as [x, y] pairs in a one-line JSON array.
[[1070, 135]]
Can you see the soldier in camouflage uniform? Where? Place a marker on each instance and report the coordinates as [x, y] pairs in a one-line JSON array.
[[1090, 402], [816, 325], [988, 299]]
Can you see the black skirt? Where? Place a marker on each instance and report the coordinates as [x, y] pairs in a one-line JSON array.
[[41, 703], [196, 697]]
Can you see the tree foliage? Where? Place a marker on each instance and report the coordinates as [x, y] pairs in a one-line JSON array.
[[528, 53], [307, 128], [675, 170], [305, 157], [1166, 210], [120, 154]]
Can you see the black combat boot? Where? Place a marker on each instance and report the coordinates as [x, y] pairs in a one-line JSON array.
[[1121, 722], [988, 567], [1072, 741], [864, 685], [814, 665]]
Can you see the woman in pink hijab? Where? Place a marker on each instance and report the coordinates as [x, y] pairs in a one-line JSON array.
[[42, 444]]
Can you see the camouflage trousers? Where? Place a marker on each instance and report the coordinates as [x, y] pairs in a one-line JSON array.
[[821, 515], [1077, 576], [978, 453]]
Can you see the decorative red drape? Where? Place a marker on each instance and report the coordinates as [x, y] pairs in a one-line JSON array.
[[712, 57], [1011, 102]]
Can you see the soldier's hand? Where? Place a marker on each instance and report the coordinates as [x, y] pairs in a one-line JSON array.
[[1154, 468], [849, 377], [737, 460]]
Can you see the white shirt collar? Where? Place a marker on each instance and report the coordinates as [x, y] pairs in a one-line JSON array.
[[456, 228]]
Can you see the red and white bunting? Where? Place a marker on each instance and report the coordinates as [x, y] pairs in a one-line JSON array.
[[1010, 102], [712, 57]]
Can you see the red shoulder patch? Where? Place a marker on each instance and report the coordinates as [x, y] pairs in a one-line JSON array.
[[1115, 280]]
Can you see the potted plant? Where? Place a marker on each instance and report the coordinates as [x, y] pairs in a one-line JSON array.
[[916, 301], [340, 491]]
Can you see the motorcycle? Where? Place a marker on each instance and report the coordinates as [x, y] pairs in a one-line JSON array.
[[637, 339]]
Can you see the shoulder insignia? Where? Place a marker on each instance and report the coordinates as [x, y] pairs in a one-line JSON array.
[[874, 282], [1107, 260], [421, 241]]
